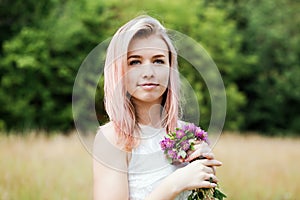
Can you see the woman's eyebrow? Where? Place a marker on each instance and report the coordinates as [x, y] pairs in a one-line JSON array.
[[133, 56], [159, 55], [138, 56]]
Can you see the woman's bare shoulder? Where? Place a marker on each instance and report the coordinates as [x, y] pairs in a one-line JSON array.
[[108, 131], [107, 150], [109, 126]]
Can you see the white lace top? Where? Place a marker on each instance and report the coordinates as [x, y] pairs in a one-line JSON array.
[[148, 165]]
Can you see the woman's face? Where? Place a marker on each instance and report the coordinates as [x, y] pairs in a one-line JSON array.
[[148, 69]]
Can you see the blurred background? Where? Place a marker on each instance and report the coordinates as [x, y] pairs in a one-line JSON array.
[[255, 45]]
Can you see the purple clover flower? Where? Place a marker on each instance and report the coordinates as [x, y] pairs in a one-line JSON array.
[[200, 134], [180, 133], [167, 143], [189, 127], [176, 144], [205, 137], [172, 154], [185, 145]]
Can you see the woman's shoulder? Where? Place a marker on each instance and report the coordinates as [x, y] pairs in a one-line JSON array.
[[106, 150], [108, 131], [108, 125]]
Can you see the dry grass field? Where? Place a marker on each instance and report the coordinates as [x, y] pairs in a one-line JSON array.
[[58, 167], [40, 168], [256, 167]]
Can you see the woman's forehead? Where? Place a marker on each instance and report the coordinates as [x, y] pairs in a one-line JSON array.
[[151, 43]]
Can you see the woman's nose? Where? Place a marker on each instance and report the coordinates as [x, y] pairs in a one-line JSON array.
[[148, 71]]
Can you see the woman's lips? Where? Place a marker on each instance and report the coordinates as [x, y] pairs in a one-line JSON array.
[[148, 86]]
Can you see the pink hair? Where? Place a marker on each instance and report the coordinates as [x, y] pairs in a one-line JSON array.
[[118, 106]]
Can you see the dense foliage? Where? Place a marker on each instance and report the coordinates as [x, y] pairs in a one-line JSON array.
[[255, 45]]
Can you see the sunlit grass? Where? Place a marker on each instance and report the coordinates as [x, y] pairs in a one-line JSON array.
[[58, 167], [256, 167], [44, 168]]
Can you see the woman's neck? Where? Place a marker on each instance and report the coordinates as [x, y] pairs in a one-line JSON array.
[[149, 113]]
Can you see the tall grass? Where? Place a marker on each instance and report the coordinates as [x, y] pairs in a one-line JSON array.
[[256, 167], [37, 167], [58, 167]]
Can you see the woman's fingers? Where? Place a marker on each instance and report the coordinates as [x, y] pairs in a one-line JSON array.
[[199, 174], [208, 155], [207, 166], [202, 149], [207, 184], [197, 154], [210, 181], [193, 156], [214, 170], [210, 163], [211, 178], [208, 170]]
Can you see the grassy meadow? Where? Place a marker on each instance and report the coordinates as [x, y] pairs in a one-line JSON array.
[[44, 168], [58, 167], [256, 167]]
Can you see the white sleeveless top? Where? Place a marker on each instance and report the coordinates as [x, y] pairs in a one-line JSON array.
[[148, 165]]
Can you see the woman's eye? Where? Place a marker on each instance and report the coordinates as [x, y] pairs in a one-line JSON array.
[[159, 61], [134, 62]]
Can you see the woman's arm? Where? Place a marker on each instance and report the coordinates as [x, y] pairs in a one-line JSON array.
[[109, 167], [195, 175], [109, 183]]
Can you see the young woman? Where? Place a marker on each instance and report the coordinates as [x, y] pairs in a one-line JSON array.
[[142, 100]]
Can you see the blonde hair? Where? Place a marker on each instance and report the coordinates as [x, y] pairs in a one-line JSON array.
[[117, 103]]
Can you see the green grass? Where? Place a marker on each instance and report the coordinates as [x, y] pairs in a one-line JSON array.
[[58, 167]]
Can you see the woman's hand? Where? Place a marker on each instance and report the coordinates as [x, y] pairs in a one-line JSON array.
[[198, 174], [201, 149]]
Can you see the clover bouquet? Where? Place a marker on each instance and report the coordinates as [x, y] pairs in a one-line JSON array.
[[176, 146]]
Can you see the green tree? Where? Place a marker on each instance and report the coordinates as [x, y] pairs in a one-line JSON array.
[[256, 53], [271, 36], [39, 67]]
